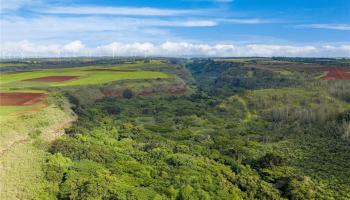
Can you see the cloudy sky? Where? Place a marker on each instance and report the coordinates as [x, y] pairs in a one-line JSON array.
[[175, 28]]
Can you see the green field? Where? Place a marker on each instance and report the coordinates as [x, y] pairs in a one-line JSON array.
[[11, 64], [11, 111], [15, 80], [239, 60]]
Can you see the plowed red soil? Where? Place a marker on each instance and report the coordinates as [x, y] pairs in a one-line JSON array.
[[53, 79], [21, 98], [337, 74]]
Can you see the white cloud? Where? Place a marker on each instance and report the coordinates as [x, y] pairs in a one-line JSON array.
[[129, 11], [340, 27], [171, 49], [74, 47], [72, 28]]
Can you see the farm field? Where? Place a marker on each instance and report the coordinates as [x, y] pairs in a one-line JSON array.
[[21, 102], [337, 74], [82, 76], [13, 85], [4, 64]]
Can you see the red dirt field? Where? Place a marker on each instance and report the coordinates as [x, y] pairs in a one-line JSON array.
[[337, 74], [53, 79], [21, 98]]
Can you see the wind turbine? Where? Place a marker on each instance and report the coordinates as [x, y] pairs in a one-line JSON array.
[[90, 54], [22, 55]]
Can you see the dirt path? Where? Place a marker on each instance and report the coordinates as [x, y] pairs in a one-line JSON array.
[[57, 130]]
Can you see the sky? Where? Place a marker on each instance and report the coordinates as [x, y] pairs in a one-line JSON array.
[[179, 28]]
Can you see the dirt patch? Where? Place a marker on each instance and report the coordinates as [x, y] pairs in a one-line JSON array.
[[112, 93], [177, 90], [112, 70], [337, 74], [53, 79], [146, 92], [21, 98], [286, 65], [42, 105]]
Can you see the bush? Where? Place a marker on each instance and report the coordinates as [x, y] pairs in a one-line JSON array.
[[127, 94], [270, 160]]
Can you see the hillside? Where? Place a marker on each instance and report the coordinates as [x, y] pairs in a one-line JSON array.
[[36, 102]]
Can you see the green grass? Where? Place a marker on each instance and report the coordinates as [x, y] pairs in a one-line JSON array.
[[235, 59], [12, 64], [237, 107], [323, 74], [14, 80], [22, 176], [285, 72], [292, 96], [9, 111], [19, 90], [248, 115]]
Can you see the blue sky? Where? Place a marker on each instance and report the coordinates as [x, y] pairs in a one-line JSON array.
[[177, 27]]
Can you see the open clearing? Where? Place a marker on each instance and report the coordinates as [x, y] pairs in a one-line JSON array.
[[16, 103], [20, 98], [2, 64], [53, 79], [337, 74]]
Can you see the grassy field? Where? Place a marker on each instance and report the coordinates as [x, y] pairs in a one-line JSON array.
[[240, 60], [12, 111], [11, 64], [15, 80]]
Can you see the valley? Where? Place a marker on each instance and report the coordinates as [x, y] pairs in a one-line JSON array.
[[173, 128]]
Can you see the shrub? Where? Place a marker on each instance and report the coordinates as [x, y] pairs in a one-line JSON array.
[[270, 160], [127, 94]]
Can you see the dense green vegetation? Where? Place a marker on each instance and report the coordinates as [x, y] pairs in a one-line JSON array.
[[260, 135]]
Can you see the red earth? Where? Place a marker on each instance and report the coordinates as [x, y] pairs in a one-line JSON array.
[[337, 74], [21, 98], [53, 79]]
